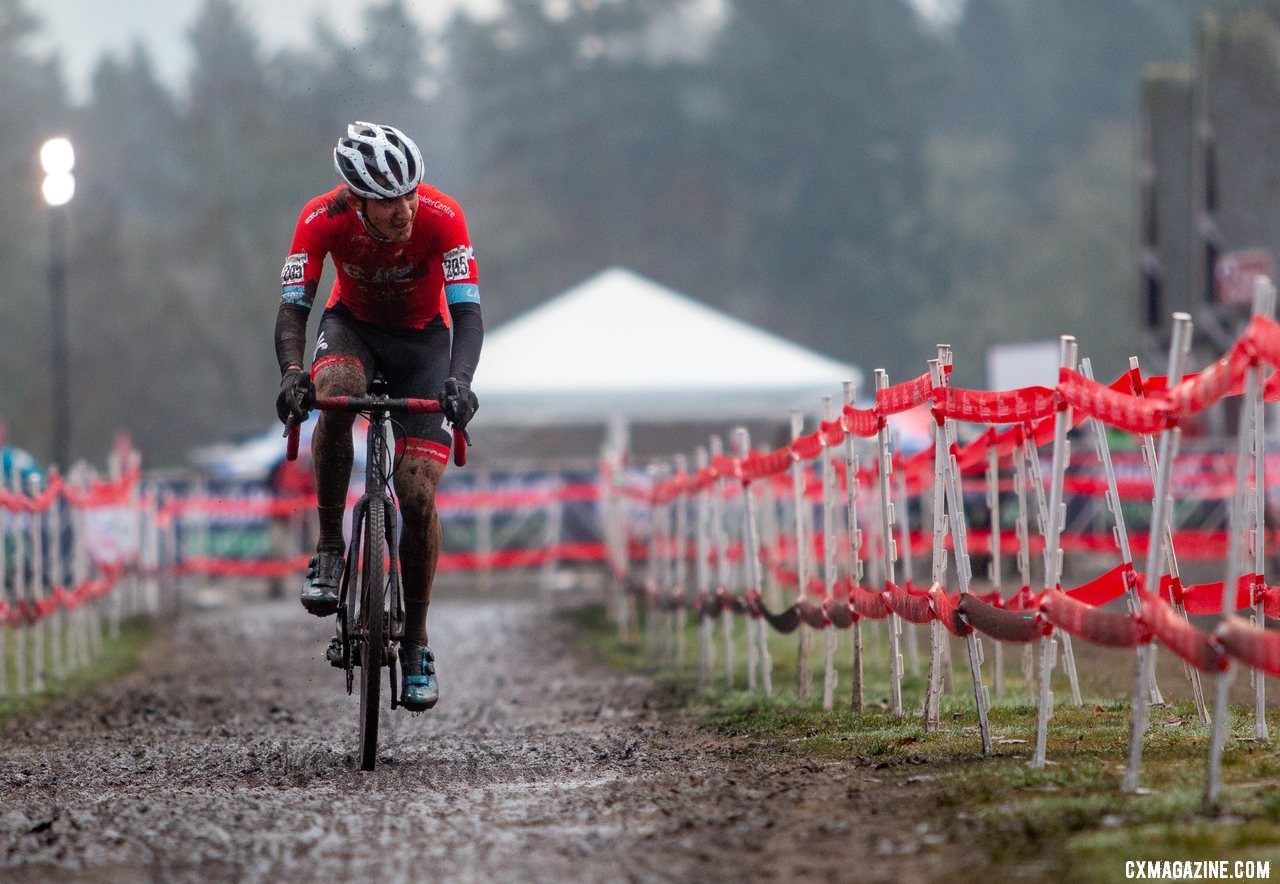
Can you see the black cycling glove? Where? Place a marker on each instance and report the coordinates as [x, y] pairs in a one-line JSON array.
[[293, 392], [458, 403]]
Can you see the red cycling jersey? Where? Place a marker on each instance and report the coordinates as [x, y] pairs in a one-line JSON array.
[[400, 284]]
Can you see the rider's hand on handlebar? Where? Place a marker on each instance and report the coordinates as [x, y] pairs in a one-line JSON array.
[[458, 403], [292, 401]]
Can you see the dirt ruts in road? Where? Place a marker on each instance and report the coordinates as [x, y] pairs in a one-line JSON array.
[[228, 756]]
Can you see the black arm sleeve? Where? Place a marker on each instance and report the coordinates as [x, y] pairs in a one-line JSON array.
[[291, 336], [468, 335]]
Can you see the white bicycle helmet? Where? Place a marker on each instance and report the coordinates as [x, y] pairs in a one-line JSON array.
[[378, 162]]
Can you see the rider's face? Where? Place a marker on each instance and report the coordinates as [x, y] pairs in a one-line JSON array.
[[394, 217]]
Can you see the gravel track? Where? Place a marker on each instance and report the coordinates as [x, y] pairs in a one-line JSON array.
[[229, 756]]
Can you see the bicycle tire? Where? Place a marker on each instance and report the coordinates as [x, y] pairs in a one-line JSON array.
[[372, 603]]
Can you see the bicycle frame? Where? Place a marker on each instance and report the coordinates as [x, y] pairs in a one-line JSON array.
[[371, 617], [377, 471]]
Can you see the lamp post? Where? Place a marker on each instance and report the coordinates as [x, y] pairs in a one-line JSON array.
[[57, 158]]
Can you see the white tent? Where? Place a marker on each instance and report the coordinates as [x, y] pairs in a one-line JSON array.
[[621, 346]]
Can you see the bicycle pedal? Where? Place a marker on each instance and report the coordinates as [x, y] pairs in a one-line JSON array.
[[333, 654]]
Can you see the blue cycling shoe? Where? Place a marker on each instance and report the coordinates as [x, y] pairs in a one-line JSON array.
[[418, 688], [320, 590]]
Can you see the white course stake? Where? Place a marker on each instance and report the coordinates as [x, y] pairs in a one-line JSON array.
[[1248, 444], [702, 513], [20, 586], [1265, 298], [1140, 709], [855, 544], [829, 492], [959, 537], [1171, 562], [57, 580], [1042, 514], [903, 509], [720, 540], [930, 719], [682, 564], [1053, 517], [1023, 530], [6, 597], [652, 576], [1235, 567], [890, 552], [37, 628], [804, 673], [755, 568], [994, 569]]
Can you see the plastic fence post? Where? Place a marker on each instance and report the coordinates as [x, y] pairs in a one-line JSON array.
[[151, 519], [1051, 516], [20, 568], [1160, 506], [964, 574], [706, 653], [1153, 464], [619, 519], [681, 611], [38, 658], [1103, 449], [769, 543], [1248, 444], [855, 545], [71, 574], [720, 539], [554, 533], [829, 554], [1023, 529], [994, 569], [804, 673], [57, 580], [902, 508], [890, 552], [651, 587], [754, 566], [96, 621], [117, 592], [76, 569], [7, 598], [669, 560], [1235, 566], [1265, 304], [937, 638], [1053, 571], [747, 580]]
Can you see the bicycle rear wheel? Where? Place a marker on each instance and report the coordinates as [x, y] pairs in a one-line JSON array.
[[372, 603]]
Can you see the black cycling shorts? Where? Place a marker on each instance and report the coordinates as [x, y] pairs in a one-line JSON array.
[[414, 362]]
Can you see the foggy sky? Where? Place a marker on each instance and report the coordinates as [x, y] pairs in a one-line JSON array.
[[80, 31]]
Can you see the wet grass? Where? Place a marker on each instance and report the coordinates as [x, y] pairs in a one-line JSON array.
[[120, 654], [1069, 819]]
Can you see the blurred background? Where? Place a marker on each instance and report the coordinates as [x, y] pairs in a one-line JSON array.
[[864, 177]]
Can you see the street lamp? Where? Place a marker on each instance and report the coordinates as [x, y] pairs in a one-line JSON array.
[[57, 159]]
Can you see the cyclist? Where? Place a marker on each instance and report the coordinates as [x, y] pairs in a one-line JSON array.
[[406, 302]]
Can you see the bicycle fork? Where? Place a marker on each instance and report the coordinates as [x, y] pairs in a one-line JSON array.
[[348, 634]]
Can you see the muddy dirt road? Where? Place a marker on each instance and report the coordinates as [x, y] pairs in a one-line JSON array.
[[229, 757]]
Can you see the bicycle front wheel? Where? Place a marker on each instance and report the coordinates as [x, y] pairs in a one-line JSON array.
[[372, 603]]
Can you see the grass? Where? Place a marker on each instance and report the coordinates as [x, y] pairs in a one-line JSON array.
[[120, 655], [1069, 818]]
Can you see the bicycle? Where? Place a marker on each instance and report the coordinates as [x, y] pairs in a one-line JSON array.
[[370, 621]]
